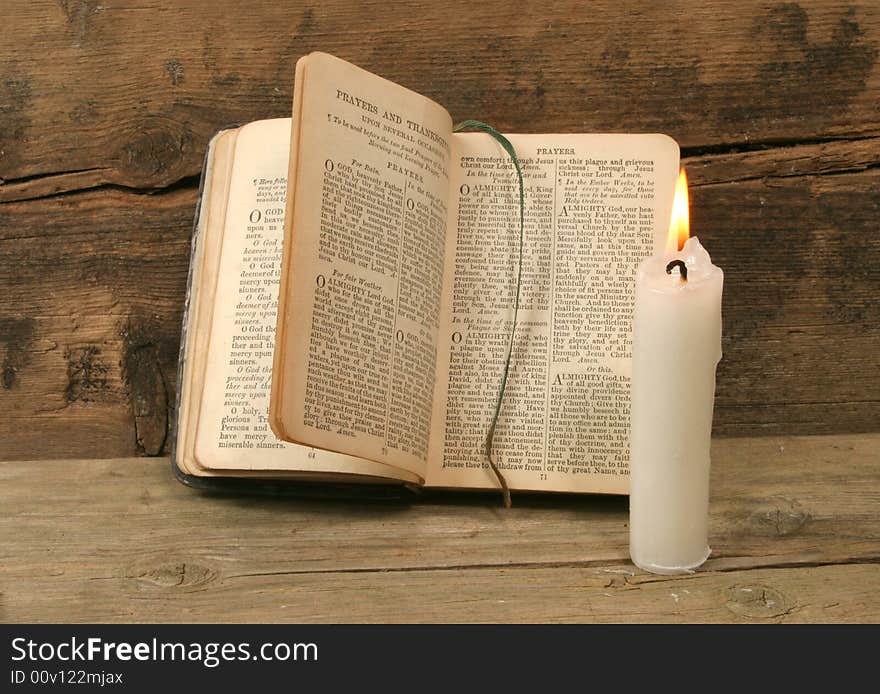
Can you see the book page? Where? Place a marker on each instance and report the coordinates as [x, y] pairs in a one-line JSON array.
[[363, 265], [204, 259], [595, 206], [228, 373]]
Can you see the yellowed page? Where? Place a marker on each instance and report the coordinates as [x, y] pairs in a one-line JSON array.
[[232, 433], [363, 264], [205, 258], [595, 205]]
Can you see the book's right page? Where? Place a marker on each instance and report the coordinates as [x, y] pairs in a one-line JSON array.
[[595, 205]]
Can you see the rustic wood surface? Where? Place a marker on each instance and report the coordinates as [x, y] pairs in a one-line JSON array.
[[106, 108], [794, 530]]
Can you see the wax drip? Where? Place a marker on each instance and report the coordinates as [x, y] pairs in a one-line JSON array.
[[490, 436]]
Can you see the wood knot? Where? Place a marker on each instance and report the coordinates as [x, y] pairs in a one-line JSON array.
[[16, 346], [148, 394], [174, 69], [157, 155], [778, 517], [173, 574], [88, 374], [756, 601]]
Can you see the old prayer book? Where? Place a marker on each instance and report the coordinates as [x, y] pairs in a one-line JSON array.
[[353, 275]]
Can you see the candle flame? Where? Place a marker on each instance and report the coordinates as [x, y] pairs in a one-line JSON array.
[[679, 225]]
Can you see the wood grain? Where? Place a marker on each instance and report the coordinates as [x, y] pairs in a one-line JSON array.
[[106, 108], [794, 531], [92, 297], [128, 93]]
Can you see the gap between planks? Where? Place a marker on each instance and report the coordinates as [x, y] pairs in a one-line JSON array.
[[767, 156]]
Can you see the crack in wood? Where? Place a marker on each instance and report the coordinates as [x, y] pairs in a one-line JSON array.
[[628, 582], [770, 177], [13, 192], [148, 391], [799, 403], [809, 159], [50, 175], [723, 148], [55, 184], [440, 567]]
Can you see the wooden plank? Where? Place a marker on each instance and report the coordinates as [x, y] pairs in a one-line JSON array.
[[91, 297], [794, 522], [769, 163], [801, 258], [180, 593], [87, 95]]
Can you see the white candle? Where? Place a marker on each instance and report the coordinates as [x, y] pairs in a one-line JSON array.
[[676, 347]]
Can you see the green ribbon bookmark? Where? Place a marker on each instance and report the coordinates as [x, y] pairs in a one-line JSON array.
[[490, 436]]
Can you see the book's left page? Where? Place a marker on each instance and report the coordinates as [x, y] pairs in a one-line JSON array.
[[222, 422]]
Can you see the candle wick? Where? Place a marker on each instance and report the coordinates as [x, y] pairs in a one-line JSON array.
[[682, 268]]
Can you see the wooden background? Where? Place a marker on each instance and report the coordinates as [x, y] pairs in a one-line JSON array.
[[106, 108]]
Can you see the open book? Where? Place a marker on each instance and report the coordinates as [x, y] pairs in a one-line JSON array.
[[386, 248]]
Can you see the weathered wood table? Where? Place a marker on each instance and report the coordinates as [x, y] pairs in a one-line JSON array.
[[795, 535], [105, 111]]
